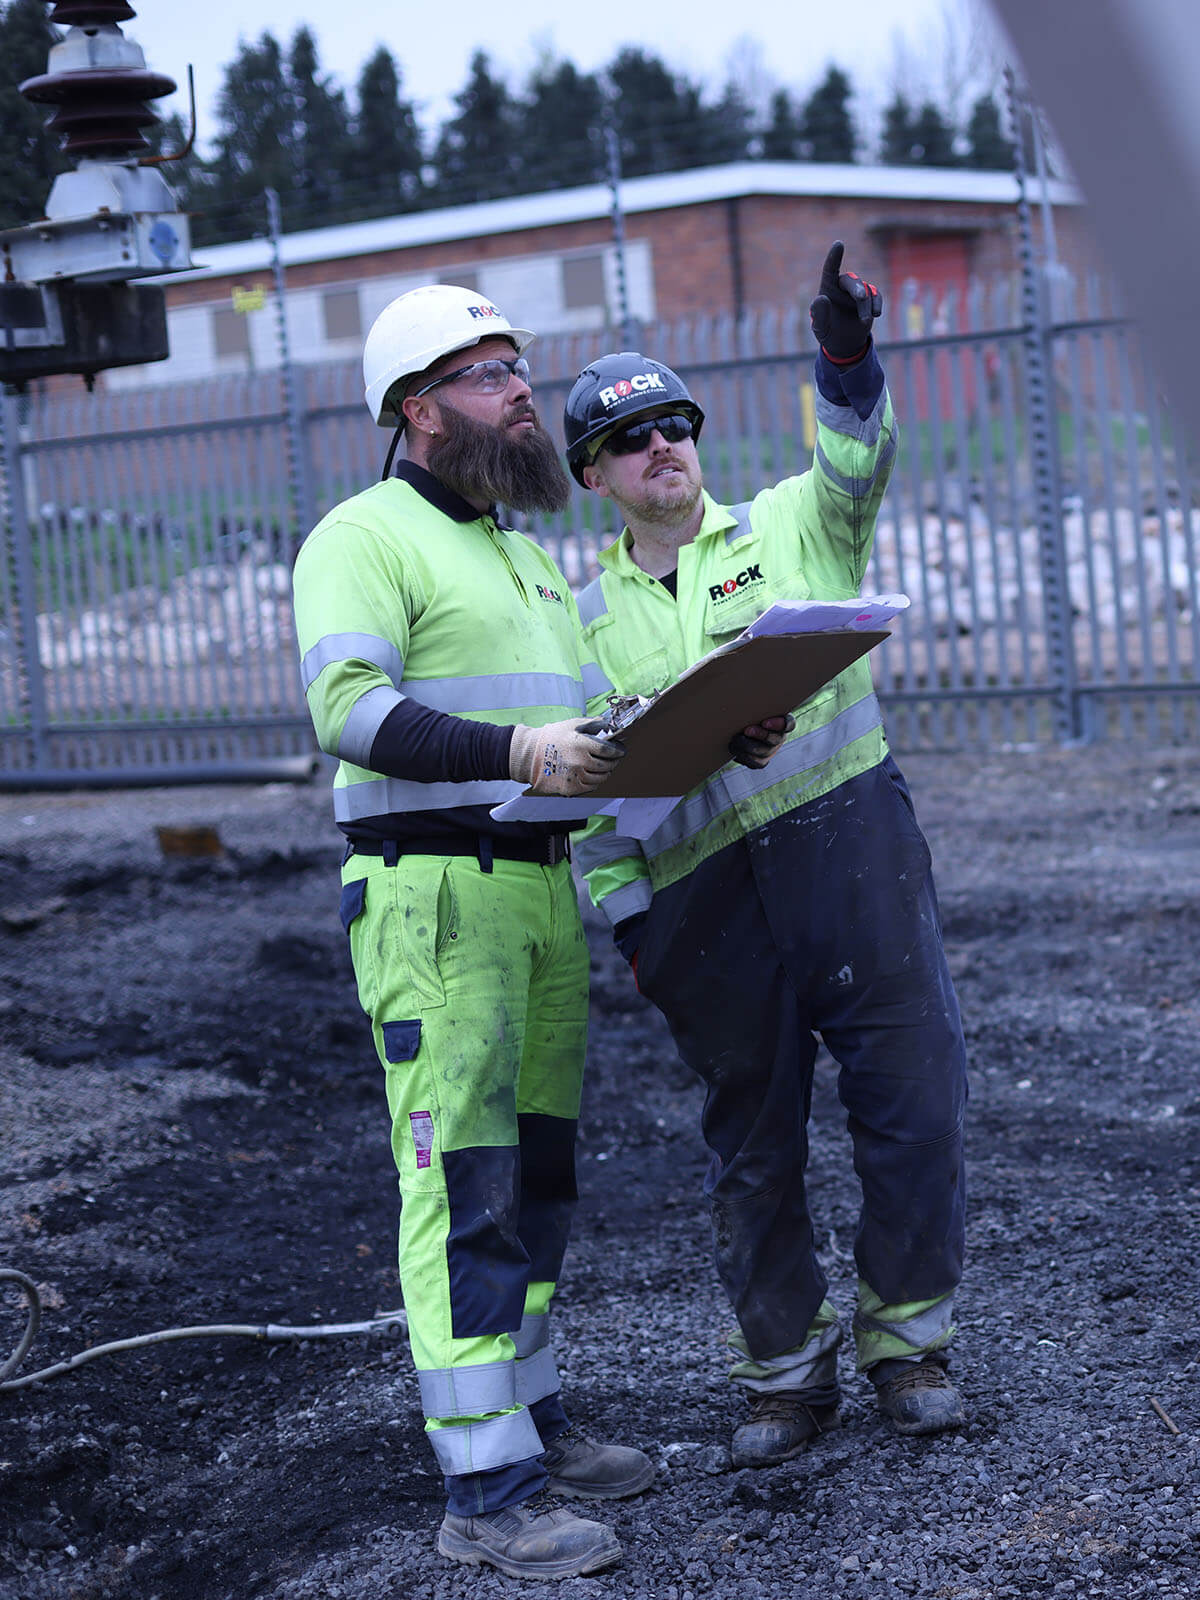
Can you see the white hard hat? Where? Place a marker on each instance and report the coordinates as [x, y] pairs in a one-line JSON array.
[[419, 328]]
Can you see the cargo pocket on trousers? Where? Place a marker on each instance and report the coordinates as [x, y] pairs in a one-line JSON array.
[[350, 913], [354, 898], [401, 1042]]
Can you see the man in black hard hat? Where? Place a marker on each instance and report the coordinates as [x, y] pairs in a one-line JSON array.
[[788, 899]]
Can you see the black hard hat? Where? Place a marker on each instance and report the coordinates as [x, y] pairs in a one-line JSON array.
[[613, 391]]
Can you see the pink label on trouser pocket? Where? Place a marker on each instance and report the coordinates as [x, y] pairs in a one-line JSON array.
[[422, 1132]]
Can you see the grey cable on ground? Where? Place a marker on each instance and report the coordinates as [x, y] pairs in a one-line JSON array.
[[246, 1330]]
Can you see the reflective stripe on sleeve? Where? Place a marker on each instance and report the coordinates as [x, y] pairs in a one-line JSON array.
[[860, 488], [597, 850], [468, 1391], [367, 647], [478, 1446], [846, 421], [365, 719], [627, 901]]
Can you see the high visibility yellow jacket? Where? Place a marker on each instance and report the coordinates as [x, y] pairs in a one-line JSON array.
[[808, 537], [406, 593]]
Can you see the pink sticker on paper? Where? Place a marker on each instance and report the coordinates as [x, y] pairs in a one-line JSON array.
[[422, 1132]]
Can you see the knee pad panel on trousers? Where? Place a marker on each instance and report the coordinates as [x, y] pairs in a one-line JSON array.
[[548, 1190], [910, 1240], [487, 1265]]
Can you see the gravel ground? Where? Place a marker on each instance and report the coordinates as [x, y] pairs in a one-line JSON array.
[[195, 1134]]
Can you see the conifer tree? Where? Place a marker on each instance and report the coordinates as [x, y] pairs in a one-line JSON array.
[[320, 135], [476, 156], [826, 126], [898, 145], [561, 114], [987, 145], [30, 157], [933, 138], [782, 137], [384, 163]]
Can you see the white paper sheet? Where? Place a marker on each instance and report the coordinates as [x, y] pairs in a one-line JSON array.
[[824, 616]]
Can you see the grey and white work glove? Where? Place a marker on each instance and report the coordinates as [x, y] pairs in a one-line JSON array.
[[563, 758], [755, 745]]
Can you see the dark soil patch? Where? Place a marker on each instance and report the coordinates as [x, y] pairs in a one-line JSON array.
[[195, 1134]]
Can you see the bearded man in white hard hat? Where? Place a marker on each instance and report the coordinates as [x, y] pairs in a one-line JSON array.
[[442, 663]]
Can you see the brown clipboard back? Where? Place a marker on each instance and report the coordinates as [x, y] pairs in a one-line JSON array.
[[683, 735]]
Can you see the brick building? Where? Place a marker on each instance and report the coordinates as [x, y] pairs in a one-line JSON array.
[[710, 242]]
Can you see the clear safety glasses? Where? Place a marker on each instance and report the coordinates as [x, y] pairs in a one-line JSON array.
[[486, 377], [636, 437]]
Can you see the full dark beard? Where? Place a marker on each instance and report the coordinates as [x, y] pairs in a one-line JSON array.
[[515, 468]]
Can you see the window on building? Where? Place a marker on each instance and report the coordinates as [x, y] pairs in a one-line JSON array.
[[231, 332], [583, 281], [343, 319]]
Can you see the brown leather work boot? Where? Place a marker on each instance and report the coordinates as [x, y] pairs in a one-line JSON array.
[[917, 1396], [779, 1427]]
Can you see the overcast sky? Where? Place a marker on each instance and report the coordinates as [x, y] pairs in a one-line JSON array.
[[789, 45]]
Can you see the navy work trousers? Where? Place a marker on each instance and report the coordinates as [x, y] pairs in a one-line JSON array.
[[823, 922]]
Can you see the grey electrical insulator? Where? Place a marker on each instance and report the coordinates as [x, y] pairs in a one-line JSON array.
[[69, 299]]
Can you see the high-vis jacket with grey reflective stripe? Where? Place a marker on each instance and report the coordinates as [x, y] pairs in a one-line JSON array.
[[806, 538], [395, 598]]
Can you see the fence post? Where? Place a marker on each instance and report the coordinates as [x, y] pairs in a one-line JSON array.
[[1043, 443], [612, 150], [14, 514], [299, 486]]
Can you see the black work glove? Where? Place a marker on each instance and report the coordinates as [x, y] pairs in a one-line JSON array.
[[627, 936], [755, 745], [843, 311]]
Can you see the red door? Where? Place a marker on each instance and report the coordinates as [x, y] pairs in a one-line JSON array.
[[927, 274]]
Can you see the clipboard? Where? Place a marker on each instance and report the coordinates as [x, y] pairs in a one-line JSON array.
[[683, 735]]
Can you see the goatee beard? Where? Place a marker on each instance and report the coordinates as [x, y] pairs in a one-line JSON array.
[[511, 467], [656, 512]]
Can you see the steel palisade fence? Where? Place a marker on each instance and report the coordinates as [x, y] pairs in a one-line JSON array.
[[1050, 548]]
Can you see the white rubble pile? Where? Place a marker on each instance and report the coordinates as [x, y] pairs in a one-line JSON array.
[[1123, 571], [213, 614]]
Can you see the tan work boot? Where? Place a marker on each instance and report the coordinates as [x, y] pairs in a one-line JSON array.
[[537, 1538], [588, 1471], [917, 1396], [779, 1427]]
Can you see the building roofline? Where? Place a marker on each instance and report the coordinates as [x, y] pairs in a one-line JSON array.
[[736, 180]]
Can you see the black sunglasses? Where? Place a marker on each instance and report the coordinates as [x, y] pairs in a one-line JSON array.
[[629, 441]]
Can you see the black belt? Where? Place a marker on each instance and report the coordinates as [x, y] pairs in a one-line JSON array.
[[548, 850]]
